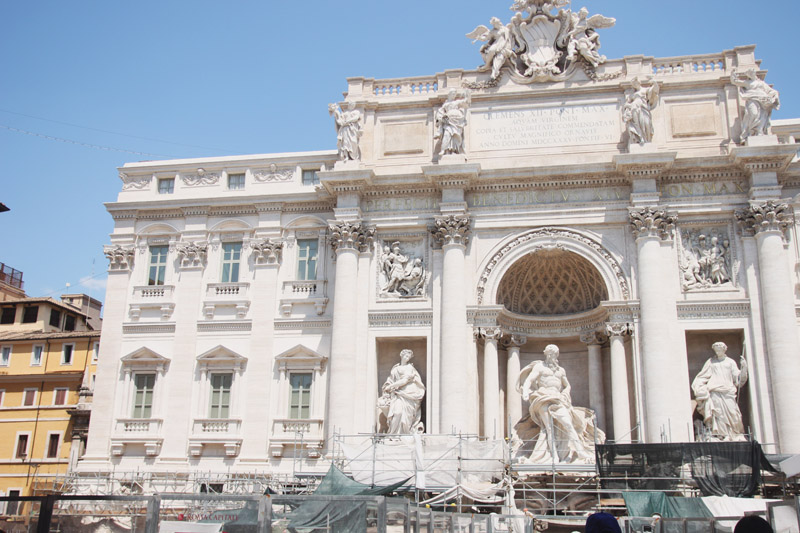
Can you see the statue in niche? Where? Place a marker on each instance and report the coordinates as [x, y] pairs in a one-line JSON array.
[[759, 101], [402, 397], [451, 119], [498, 47], [716, 389], [348, 130], [637, 111], [706, 259], [402, 275], [563, 433]]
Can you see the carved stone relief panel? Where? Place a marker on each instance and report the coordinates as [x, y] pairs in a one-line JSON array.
[[707, 257], [403, 266]]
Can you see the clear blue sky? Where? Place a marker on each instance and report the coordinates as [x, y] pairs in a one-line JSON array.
[[220, 78]]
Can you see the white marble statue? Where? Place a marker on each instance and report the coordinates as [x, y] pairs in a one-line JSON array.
[[705, 260], [716, 389], [402, 397], [759, 101], [348, 130], [451, 119], [566, 433], [499, 46], [584, 41], [637, 111]]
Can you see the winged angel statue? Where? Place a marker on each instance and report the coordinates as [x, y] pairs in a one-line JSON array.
[[539, 45]]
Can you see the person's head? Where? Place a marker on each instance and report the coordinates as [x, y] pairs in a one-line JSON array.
[[602, 523], [395, 247], [551, 353], [495, 22], [350, 105], [406, 355], [752, 524], [719, 348]]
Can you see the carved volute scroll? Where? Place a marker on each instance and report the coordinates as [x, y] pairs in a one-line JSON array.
[[267, 252], [769, 216], [192, 254], [119, 257], [451, 229], [592, 337], [514, 341], [350, 235], [652, 222], [618, 329], [492, 333]]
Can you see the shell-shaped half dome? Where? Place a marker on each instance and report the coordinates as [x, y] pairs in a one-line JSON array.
[[551, 282]]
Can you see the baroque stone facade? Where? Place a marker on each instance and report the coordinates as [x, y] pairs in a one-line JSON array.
[[616, 217]]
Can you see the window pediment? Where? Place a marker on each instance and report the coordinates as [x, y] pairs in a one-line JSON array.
[[301, 357], [145, 358], [221, 357]]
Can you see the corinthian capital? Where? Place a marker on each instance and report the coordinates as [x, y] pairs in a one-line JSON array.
[[618, 329], [119, 257], [592, 337], [652, 222], [451, 229], [351, 235], [267, 252], [769, 216]]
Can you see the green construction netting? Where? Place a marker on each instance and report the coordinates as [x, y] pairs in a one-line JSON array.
[[649, 503]]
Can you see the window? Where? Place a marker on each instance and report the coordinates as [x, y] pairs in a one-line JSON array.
[[158, 265], [55, 318], [53, 441], [30, 314], [300, 400], [36, 355], [69, 323], [94, 379], [29, 397], [211, 488], [8, 315], [22, 446], [60, 396], [5, 356], [235, 181], [143, 395], [95, 352], [2, 396], [307, 259], [310, 177], [220, 395], [231, 253], [166, 185], [67, 351], [12, 508]]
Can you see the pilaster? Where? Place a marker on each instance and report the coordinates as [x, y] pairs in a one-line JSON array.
[[492, 422]]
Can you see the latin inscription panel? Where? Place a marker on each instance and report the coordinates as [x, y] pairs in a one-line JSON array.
[[534, 127]]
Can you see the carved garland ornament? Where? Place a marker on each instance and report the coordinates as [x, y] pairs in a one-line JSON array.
[[273, 174], [351, 235], [652, 222], [769, 216], [451, 229], [553, 234]]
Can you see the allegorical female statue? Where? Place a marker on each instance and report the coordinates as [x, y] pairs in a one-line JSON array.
[[402, 397], [716, 389], [348, 130], [637, 111], [759, 101]]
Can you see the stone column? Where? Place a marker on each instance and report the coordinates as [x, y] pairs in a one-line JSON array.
[[452, 232], [492, 419], [667, 401], [513, 397], [768, 221], [620, 397], [597, 397], [347, 239]]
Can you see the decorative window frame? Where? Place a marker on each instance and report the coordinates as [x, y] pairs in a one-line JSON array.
[[55, 394], [143, 361], [28, 444], [299, 359], [7, 362], [2, 396], [95, 352], [35, 397], [304, 292], [226, 432], [47, 446]]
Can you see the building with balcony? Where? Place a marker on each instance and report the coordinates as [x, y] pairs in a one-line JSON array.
[[256, 304], [48, 355]]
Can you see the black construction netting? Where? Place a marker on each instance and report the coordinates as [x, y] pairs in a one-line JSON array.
[[718, 468]]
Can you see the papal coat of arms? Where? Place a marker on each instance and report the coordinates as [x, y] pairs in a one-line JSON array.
[[540, 43]]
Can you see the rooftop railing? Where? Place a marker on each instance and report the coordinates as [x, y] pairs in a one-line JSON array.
[[11, 276]]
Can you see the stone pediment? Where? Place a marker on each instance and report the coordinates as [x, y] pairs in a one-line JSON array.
[[220, 355], [301, 357], [145, 357]]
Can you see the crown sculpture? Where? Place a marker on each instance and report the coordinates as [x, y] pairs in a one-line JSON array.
[[540, 44]]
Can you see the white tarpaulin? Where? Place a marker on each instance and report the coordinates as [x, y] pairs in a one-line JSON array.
[[431, 461]]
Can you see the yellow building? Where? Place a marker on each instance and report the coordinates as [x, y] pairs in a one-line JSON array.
[[48, 356]]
